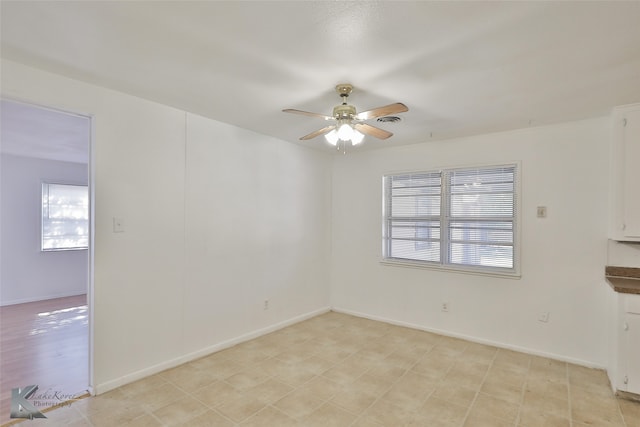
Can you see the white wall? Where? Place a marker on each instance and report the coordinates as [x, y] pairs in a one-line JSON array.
[[564, 167], [27, 273], [623, 254], [214, 216], [257, 228]]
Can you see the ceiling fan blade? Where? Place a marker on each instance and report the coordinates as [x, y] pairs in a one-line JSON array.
[[372, 130], [306, 113], [398, 107], [318, 133]]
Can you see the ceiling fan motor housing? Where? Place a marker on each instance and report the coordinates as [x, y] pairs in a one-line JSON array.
[[344, 111]]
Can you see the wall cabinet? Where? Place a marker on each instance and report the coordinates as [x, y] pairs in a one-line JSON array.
[[625, 174]]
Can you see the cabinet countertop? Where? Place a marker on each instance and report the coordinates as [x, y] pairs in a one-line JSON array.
[[625, 280]]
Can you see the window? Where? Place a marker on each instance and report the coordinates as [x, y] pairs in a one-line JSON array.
[[65, 217], [454, 218]]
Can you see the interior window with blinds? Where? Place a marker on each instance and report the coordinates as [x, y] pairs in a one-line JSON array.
[[455, 218], [65, 217]]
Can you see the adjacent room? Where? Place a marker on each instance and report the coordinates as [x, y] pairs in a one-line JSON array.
[[335, 213], [45, 238]]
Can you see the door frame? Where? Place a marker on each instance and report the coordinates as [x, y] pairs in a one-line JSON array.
[[91, 249]]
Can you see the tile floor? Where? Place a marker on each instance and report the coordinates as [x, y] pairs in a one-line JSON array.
[[339, 370]]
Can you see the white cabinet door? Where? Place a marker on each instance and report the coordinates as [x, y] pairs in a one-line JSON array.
[[631, 189], [625, 174], [633, 352]]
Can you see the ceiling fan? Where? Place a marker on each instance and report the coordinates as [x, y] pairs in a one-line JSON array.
[[350, 125]]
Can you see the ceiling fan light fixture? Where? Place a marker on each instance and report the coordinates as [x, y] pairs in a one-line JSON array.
[[345, 131], [332, 137], [357, 137]]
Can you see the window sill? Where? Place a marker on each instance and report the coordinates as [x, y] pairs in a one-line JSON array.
[[63, 250], [451, 269]]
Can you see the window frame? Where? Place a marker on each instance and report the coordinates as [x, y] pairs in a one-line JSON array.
[[42, 217], [444, 219]]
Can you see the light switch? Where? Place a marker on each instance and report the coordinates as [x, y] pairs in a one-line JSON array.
[[541, 212], [118, 225]]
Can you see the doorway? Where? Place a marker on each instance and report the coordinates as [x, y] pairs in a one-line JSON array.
[[46, 251]]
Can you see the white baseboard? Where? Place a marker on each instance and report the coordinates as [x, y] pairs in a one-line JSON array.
[[41, 298], [498, 344], [143, 373]]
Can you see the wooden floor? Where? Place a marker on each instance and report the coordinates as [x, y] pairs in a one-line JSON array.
[[44, 343]]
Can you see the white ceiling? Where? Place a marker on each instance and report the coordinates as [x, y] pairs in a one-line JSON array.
[[462, 68], [32, 131]]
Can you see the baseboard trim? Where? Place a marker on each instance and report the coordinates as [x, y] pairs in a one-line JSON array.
[[627, 395], [143, 373], [41, 298], [498, 344]]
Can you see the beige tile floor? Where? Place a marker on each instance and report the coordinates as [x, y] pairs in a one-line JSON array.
[[339, 370]]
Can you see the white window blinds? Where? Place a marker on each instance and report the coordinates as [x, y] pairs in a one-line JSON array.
[[65, 217], [413, 216], [481, 217], [458, 217]]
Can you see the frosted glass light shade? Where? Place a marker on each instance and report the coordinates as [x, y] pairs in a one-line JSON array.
[[332, 137], [345, 132], [357, 137]]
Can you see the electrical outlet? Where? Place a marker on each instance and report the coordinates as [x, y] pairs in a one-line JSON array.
[[544, 317], [445, 307], [266, 304]]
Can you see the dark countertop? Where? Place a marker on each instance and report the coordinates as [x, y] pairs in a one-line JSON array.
[[625, 280]]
